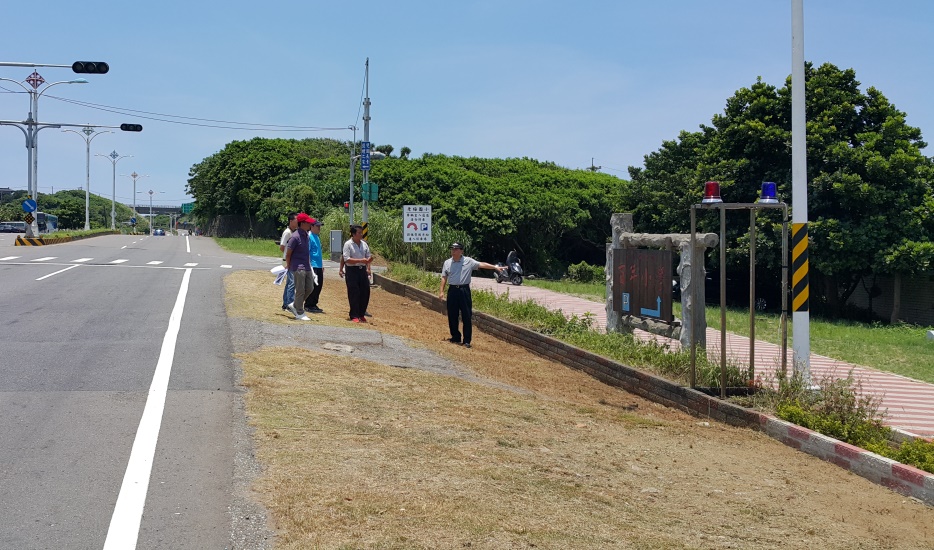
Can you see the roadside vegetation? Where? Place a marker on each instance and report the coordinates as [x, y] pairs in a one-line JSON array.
[[898, 348], [837, 409]]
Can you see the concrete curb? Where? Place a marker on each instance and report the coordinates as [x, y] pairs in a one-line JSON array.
[[906, 480]]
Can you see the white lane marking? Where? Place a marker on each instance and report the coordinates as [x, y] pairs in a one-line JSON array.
[[119, 261], [225, 266], [81, 260], [154, 262], [122, 247], [57, 272], [187, 245], [128, 512], [9, 258], [47, 258], [191, 264]]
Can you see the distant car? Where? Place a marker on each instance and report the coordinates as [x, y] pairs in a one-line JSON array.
[[158, 233], [7, 228]]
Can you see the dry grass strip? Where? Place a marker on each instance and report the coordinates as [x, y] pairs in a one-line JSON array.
[[361, 455]]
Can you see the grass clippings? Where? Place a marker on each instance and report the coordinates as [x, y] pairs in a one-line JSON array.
[[364, 455]]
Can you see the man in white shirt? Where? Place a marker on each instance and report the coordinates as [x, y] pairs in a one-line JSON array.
[[356, 265], [457, 271], [288, 294]]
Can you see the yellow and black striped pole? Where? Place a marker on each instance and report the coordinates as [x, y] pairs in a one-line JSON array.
[[366, 230], [800, 316], [799, 267]]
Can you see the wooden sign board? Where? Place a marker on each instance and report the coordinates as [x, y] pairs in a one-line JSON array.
[[642, 283]]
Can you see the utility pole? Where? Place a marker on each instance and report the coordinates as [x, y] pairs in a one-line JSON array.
[[366, 138], [800, 317]]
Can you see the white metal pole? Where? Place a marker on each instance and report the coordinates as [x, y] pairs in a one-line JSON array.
[[87, 185], [113, 198], [366, 134], [800, 310]]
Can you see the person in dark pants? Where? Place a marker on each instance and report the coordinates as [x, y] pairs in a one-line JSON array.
[[457, 271], [357, 260], [317, 264]]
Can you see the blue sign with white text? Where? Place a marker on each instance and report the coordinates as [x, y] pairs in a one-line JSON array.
[[365, 155]]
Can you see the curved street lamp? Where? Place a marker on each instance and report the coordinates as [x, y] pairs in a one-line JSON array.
[[88, 137], [114, 158], [135, 177], [32, 128]]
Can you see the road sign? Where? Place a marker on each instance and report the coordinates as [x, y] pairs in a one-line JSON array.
[[416, 223], [187, 207], [29, 219], [365, 155], [29, 205], [132, 221], [370, 191]]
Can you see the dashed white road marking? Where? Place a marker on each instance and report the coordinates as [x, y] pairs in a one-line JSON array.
[[119, 261], [47, 258], [57, 272], [191, 264], [9, 258], [82, 260], [225, 266], [154, 262], [122, 247]]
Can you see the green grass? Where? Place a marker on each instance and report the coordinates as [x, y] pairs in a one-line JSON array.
[[253, 247], [900, 349]]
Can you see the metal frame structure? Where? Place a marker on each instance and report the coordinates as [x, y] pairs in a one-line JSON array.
[[753, 209]]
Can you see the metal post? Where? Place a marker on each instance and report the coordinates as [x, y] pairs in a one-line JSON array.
[[353, 161], [784, 289], [752, 294], [801, 315], [693, 326], [722, 301], [366, 134], [87, 183], [113, 199]]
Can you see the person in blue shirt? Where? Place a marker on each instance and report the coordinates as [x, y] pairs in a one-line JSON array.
[[317, 264]]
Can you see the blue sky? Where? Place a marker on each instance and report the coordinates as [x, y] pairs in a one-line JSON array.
[[557, 81]]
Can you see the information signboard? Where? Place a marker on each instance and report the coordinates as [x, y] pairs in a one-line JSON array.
[[416, 223], [642, 283]]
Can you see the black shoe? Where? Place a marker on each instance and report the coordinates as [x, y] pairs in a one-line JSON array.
[[453, 341], [467, 345], [315, 310]]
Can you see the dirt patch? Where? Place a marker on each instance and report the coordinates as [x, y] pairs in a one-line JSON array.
[[502, 449]]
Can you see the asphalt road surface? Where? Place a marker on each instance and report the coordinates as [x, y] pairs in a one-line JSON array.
[[120, 417]]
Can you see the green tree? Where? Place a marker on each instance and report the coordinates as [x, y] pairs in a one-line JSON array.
[[866, 177]]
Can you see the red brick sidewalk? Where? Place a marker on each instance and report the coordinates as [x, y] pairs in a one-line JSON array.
[[909, 404]]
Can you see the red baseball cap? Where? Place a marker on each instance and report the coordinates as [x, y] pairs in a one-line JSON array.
[[304, 218]]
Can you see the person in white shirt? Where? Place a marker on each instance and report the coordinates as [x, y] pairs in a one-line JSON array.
[[457, 271], [288, 293], [356, 266]]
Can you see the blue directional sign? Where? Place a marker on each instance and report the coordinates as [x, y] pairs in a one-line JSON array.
[[29, 205], [365, 155], [132, 221]]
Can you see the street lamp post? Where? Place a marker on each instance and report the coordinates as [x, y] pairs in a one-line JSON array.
[[31, 131], [114, 159], [151, 193], [135, 176], [88, 137]]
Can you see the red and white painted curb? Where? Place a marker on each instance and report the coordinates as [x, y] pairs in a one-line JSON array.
[[904, 479]]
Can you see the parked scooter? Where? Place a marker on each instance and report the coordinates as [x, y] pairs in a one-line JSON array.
[[513, 271]]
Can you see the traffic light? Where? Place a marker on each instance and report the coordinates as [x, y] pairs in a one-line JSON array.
[[90, 67], [131, 127], [346, 206]]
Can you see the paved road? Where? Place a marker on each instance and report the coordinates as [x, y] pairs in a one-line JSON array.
[[119, 412], [909, 404]]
